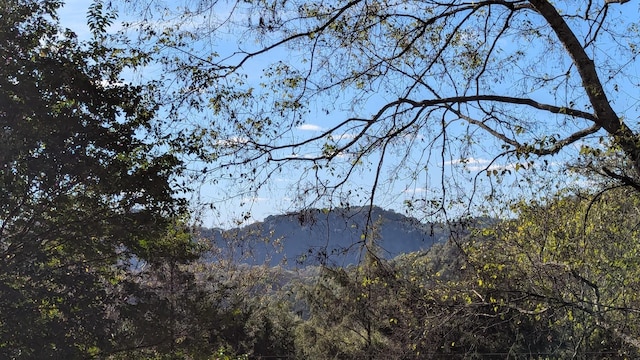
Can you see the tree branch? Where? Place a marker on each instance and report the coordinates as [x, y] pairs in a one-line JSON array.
[[500, 99], [605, 116]]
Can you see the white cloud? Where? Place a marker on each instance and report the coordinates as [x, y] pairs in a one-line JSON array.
[[498, 167], [232, 141], [301, 156], [346, 136], [309, 127], [479, 164], [467, 161]]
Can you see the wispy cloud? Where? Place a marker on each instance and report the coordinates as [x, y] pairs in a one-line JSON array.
[[346, 136], [234, 141], [309, 127], [479, 164], [467, 161], [499, 167], [493, 167]]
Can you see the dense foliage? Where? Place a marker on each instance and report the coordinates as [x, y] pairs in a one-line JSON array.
[[543, 285], [82, 193], [556, 281]]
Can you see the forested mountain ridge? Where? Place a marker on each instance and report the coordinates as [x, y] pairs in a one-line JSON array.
[[317, 236]]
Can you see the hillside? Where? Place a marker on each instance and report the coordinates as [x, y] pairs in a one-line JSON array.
[[315, 237]]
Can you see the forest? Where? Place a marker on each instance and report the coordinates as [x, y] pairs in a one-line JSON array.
[[136, 132]]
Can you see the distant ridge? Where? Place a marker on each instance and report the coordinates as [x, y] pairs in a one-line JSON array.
[[314, 236]]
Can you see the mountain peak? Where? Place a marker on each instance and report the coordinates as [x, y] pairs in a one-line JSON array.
[[339, 236]]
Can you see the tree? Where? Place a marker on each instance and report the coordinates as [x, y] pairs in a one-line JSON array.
[[413, 86], [84, 194], [571, 263], [347, 316]]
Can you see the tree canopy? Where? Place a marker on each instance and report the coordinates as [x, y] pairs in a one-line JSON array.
[[400, 89], [83, 192], [570, 262]]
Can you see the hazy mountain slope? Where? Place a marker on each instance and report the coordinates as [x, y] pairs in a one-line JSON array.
[[319, 237]]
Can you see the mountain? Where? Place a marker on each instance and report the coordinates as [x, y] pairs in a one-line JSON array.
[[312, 237]]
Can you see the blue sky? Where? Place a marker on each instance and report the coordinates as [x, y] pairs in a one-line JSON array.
[[401, 184]]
